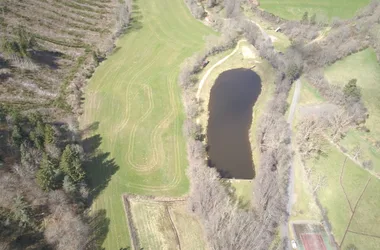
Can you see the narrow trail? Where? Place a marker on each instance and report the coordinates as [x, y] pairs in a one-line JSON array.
[[294, 103], [221, 61], [284, 229], [173, 227], [358, 163], [354, 210], [364, 234], [132, 228], [341, 184]]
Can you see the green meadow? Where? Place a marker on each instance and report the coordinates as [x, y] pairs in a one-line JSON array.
[[135, 100], [324, 9]]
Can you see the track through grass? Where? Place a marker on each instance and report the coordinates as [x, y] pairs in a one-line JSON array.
[[135, 97]]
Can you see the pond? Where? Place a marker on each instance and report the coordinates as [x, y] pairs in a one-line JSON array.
[[230, 116]]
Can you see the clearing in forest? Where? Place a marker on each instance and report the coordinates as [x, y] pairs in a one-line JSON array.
[[135, 100]]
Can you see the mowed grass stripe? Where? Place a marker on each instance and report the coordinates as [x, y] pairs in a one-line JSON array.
[[135, 97]]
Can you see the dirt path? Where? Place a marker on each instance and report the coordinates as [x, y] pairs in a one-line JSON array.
[[285, 226], [131, 226], [351, 158], [174, 228], [364, 234], [294, 103], [341, 184], [353, 212], [221, 61]]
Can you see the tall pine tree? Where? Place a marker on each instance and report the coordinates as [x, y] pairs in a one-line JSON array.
[[71, 164], [46, 175]]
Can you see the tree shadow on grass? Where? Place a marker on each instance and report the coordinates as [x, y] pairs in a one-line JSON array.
[[44, 57], [99, 166], [99, 224]]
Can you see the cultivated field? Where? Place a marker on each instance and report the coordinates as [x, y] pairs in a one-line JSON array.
[[135, 97], [325, 9], [165, 225]]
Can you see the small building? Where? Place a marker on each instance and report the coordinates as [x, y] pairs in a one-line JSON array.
[[205, 62], [209, 19]]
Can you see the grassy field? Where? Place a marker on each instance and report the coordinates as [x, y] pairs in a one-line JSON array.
[[364, 67], [280, 41], [153, 226], [325, 9], [189, 230], [243, 190], [360, 205], [304, 207], [135, 98], [156, 231], [351, 205]]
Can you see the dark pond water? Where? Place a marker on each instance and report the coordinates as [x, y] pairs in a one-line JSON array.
[[231, 102]]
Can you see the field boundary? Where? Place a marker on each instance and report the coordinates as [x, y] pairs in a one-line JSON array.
[[155, 198], [353, 212], [131, 226], [174, 227], [364, 234], [352, 158], [341, 184], [166, 201]]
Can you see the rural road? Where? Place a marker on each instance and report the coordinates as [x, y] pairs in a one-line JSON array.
[[296, 96], [204, 78], [284, 227]]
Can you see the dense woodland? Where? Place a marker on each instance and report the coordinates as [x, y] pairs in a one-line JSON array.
[[228, 226], [47, 51]]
